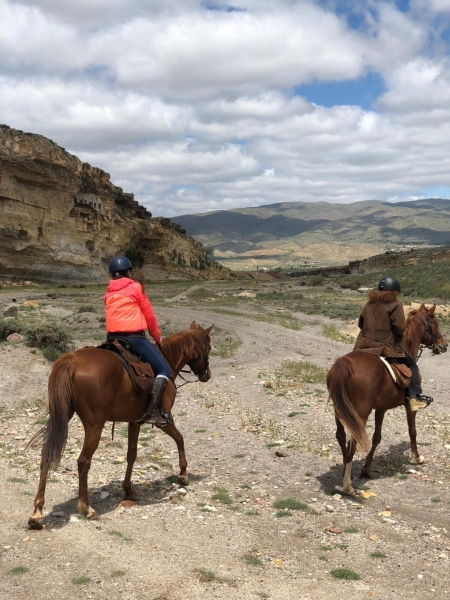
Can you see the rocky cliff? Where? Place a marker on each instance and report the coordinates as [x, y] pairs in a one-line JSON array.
[[61, 220]]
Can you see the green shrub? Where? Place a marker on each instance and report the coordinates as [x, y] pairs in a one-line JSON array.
[[52, 340], [51, 353], [8, 327], [86, 308]]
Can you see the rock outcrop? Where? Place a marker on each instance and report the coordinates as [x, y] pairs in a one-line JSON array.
[[61, 220]]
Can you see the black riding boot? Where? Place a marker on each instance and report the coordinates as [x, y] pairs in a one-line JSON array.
[[154, 413]]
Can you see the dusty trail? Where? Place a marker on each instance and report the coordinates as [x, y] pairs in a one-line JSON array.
[[223, 539]]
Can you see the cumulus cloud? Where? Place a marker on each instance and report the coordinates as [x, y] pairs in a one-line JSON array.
[[196, 106]]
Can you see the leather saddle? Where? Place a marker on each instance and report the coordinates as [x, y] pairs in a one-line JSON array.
[[140, 372], [400, 373]]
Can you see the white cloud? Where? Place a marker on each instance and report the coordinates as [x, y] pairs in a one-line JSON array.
[[196, 109]]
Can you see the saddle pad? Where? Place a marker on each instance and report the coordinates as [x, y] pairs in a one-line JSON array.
[[400, 373]]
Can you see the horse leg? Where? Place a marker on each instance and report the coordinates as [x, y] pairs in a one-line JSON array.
[[411, 416], [347, 452], [347, 487], [133, 436], [173, 432], [376, 439], [91, 440], [35, 521]]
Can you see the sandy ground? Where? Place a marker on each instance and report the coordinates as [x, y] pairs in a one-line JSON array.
[[173, 545]]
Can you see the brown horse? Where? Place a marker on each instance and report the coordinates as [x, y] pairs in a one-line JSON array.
[[359, 382], [93, 383]]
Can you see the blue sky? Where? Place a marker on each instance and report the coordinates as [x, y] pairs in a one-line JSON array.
[[198, 106]]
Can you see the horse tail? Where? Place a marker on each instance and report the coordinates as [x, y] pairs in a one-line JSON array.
[[345, 412], [60, 394]]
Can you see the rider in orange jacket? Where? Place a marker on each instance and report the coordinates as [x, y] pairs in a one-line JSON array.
[[128, 314]]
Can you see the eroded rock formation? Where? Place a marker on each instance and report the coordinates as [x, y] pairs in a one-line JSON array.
[[61, 220]]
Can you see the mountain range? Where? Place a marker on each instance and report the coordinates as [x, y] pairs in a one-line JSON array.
[[318, 233]]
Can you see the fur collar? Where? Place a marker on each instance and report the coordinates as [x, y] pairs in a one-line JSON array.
[[383, 297]]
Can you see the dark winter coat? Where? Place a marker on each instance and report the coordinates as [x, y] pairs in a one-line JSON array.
[[382, 324]]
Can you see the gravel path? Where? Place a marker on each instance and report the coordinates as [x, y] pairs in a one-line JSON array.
[[222, 537]]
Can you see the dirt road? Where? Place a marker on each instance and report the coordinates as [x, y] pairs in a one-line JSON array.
[[239, 531]]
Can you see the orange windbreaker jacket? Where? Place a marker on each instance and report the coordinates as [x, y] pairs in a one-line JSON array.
[[128, 308]]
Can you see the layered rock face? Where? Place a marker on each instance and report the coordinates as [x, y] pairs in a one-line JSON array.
[[61, 220]]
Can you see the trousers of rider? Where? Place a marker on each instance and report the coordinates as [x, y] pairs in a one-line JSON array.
[[414, 387], [151, 355]]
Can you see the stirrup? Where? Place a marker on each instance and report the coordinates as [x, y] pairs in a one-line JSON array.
[[427, 399]]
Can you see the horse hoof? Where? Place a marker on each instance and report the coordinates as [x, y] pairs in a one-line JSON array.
[[418, 460], [132, 495], [35, 523], [346, 492], [91, 514], [183, 480]]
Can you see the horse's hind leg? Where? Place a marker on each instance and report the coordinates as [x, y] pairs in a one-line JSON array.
[[411, 416], [173, 432], [133, 436], [348, 450], [347, 487], [376, 439], [91, 440], [35, 521]]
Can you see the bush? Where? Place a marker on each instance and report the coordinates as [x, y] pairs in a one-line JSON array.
[[8, 327], [53, 341], [51, 353], [86, 308]]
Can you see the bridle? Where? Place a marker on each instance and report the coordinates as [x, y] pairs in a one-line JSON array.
[[428, 330], [204, 355]]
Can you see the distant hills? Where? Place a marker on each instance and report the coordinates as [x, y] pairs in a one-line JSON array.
[[318, 233]]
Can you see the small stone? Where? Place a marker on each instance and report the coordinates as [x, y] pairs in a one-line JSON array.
[[182, 492], [334, 530], [329, 508], [11, 311], [58, 513], [281, 454], [104, 495], [420, 576], [127, 503], [26, 539], [15, 338], [374, 538]]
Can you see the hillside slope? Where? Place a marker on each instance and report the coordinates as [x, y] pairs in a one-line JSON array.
[[61, 220], [320, 232]]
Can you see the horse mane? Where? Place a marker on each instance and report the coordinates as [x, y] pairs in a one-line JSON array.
[[407, 335], [177, 344]]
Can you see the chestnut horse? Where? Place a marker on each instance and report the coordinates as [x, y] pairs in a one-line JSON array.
[[93, 383], [359, 382]]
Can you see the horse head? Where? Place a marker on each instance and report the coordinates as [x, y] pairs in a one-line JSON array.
[[200, 364], [432, 337]]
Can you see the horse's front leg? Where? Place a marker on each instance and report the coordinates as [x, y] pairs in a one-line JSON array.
[[173, 432], [92, 435], [133, 436], [411, 416], [376, 439]]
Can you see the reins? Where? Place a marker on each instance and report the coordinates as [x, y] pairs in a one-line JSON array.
[[429, 331]]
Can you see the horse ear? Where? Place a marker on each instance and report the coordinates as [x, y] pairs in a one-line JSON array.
[[431, 310], [193, 325], [208, 331], [423, 307]]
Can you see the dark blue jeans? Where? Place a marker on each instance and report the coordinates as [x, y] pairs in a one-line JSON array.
[[150, 354]]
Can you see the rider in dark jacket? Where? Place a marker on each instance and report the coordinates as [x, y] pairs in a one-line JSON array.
[[382, 324]]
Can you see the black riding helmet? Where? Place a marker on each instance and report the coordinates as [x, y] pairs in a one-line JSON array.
[[119, 265], [389, 284]]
